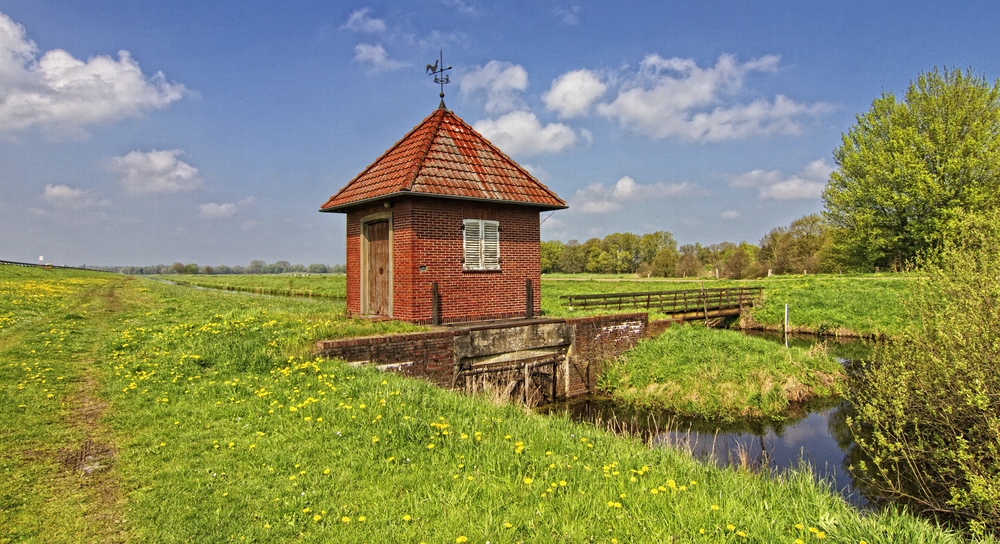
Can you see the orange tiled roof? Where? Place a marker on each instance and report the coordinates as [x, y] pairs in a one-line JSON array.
[[445, 157]]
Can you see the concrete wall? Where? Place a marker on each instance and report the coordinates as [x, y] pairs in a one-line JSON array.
[[437, 355]]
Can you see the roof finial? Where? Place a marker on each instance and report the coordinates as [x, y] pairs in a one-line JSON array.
[[440, 77]]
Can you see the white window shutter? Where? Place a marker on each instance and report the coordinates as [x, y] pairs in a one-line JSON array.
[[491, 245], [472, 237]]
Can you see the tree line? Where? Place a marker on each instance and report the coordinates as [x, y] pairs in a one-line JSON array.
[[255, 267], [803, 247]]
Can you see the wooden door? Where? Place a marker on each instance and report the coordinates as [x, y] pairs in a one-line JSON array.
[[379, 277]]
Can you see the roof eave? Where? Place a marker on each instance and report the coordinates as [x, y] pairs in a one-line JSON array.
[[345, 208]]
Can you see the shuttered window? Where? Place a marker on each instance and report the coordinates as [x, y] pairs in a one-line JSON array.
[[481, 244]]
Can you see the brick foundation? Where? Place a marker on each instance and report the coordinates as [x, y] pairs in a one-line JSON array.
[[432, 355]]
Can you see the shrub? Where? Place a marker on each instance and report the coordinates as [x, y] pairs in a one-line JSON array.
[[928, 406]]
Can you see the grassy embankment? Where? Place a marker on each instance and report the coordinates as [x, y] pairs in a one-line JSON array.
[[287, 285], [718, 374], [721, 374], [216, 426]]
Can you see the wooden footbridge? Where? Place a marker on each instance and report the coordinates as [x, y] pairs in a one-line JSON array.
[[682, 305]]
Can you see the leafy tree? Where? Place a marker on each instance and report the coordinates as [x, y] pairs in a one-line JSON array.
[[689, 264], [665, 262], [910, 168], [573, 259], [799, 247], [317, 268], [659, 251], [191, 268], [740, 262], [177, 268], [550, 253], [255, 266], [928, 405]]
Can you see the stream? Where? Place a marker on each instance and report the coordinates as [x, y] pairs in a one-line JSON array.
[[815, 433]]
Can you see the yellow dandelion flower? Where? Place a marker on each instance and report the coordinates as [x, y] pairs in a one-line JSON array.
[[741, 534], [430, 446], [528, 481], [345, 519], [407, 517], [715, 507], [730, 526], [820, 535], [361, 519], [462, 538], [317, 517], [562, 483], [507, 524]]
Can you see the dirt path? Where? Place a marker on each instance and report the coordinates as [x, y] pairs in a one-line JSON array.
[[64, 476], [90, 462]]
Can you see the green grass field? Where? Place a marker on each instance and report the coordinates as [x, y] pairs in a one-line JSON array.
[[287, 285], [862, 304], [143, 412], [721, 374]]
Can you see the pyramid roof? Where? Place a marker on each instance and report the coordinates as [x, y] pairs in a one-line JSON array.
[[446, 158]]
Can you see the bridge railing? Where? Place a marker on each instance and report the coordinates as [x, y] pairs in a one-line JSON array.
[[670, 302]]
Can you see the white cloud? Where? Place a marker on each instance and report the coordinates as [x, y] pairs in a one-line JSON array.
[[156, 172], [67, 198], [598, 198], [773, 185], [359, 21], [520, 133], [677, 98], [63, 94], [572, 93], [500, 81], [375, 57], [213, 210], [730, 214]]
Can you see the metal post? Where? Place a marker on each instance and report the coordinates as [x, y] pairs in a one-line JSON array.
[[435, 305], [529, 298], [786, 326]]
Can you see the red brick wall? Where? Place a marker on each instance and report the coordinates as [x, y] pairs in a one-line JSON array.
[[599, 339], [432, 354], [428, 232]]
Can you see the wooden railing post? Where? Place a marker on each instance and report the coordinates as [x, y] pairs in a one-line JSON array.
[[435, 304]]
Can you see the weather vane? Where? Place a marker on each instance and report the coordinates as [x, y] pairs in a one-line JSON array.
[[440, 77]]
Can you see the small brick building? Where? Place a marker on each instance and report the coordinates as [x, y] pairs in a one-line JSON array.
[[443, 227]]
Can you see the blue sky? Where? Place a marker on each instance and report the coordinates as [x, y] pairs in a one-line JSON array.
[[211, 132]]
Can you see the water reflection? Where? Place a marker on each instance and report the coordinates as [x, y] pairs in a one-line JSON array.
[[814, 433]]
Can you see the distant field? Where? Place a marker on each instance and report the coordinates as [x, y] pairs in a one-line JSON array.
[[286, 285], [864, 304]]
